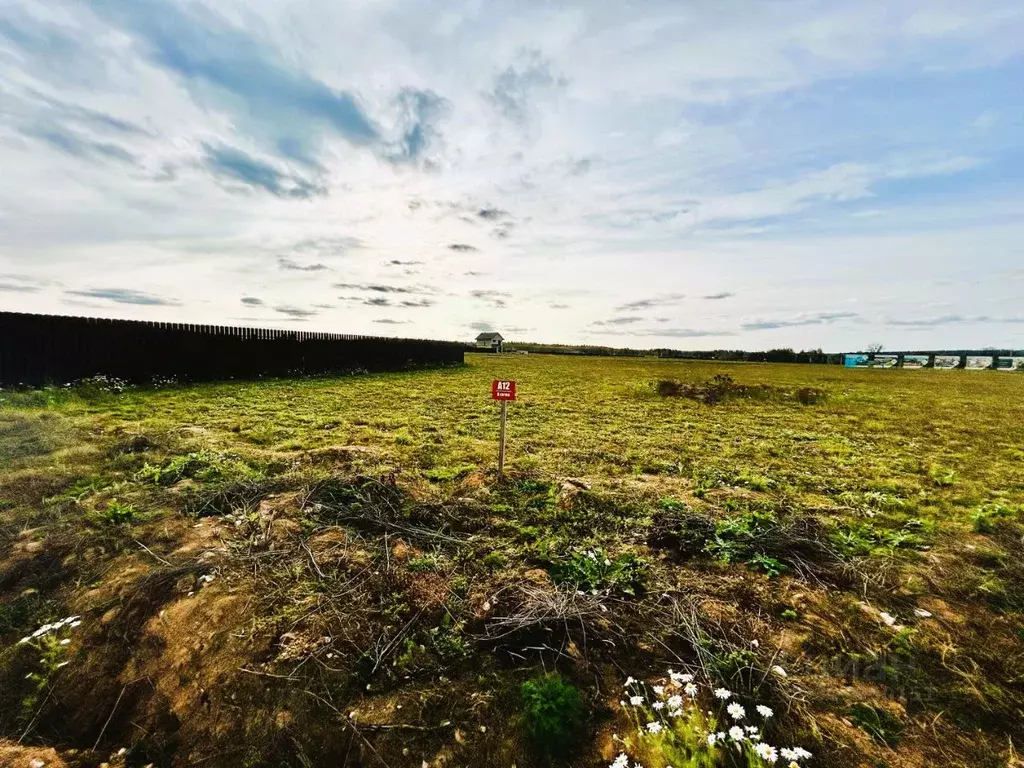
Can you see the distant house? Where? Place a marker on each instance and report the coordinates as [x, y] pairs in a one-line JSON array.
[[490, 341]]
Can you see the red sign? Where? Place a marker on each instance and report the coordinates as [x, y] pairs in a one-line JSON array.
[[503, 390]]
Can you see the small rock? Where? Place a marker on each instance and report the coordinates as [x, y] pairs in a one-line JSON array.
[[922, 613]]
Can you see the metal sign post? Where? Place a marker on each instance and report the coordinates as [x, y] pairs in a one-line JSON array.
[[501, 440], [503, 391]]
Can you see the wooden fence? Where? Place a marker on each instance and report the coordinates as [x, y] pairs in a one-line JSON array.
[[44, 349]]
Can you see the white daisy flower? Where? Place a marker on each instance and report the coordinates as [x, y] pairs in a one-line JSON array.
[[629, 682], [722, 693], [636, 701], [736, 711], [675, 713], [764, 711], [736, 733], [622, 761], [654, 727], [788, 754], [690, 689], [801, 753], [659, 689], [658, 705], [767, 753], [712, 738], [675, 702]]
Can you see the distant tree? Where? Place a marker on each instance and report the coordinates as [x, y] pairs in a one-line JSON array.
[[874, 349]]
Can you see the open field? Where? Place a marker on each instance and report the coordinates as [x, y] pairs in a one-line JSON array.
[[329, 572]]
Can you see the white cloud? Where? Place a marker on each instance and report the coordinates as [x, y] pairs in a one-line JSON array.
[[641, 156]]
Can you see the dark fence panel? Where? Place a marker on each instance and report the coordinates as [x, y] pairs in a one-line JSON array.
[[47, 349]]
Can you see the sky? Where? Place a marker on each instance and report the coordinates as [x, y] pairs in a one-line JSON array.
[[696, 175]]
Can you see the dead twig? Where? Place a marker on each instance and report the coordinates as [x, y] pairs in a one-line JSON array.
[[269, 674], [111, 717], [154, 554]]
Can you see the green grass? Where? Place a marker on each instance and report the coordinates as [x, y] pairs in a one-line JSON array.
[[913, 434], [552, 714], [362, 517]]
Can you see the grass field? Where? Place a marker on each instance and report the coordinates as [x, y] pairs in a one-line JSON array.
[[330, 572]]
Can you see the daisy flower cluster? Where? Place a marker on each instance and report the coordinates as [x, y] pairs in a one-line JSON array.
[[669, 718], [71, 622]]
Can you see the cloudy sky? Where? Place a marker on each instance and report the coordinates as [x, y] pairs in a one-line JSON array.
[[689, 174]]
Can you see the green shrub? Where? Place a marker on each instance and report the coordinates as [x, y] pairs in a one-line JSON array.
[[863, 539], [717, 389], [768, 565], [737, 538], [985, 518], [205, 466], [443, 474], [753, 481], [942, 476], [593, 571], [734, 665], [706, 479], [425, 563], [448, 642], [117, 513], [81, 488], [878, 723], [671, 505], [552, 714], [494, 560], [99, 387]]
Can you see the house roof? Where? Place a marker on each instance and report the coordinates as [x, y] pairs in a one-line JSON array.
[[489, 336]]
